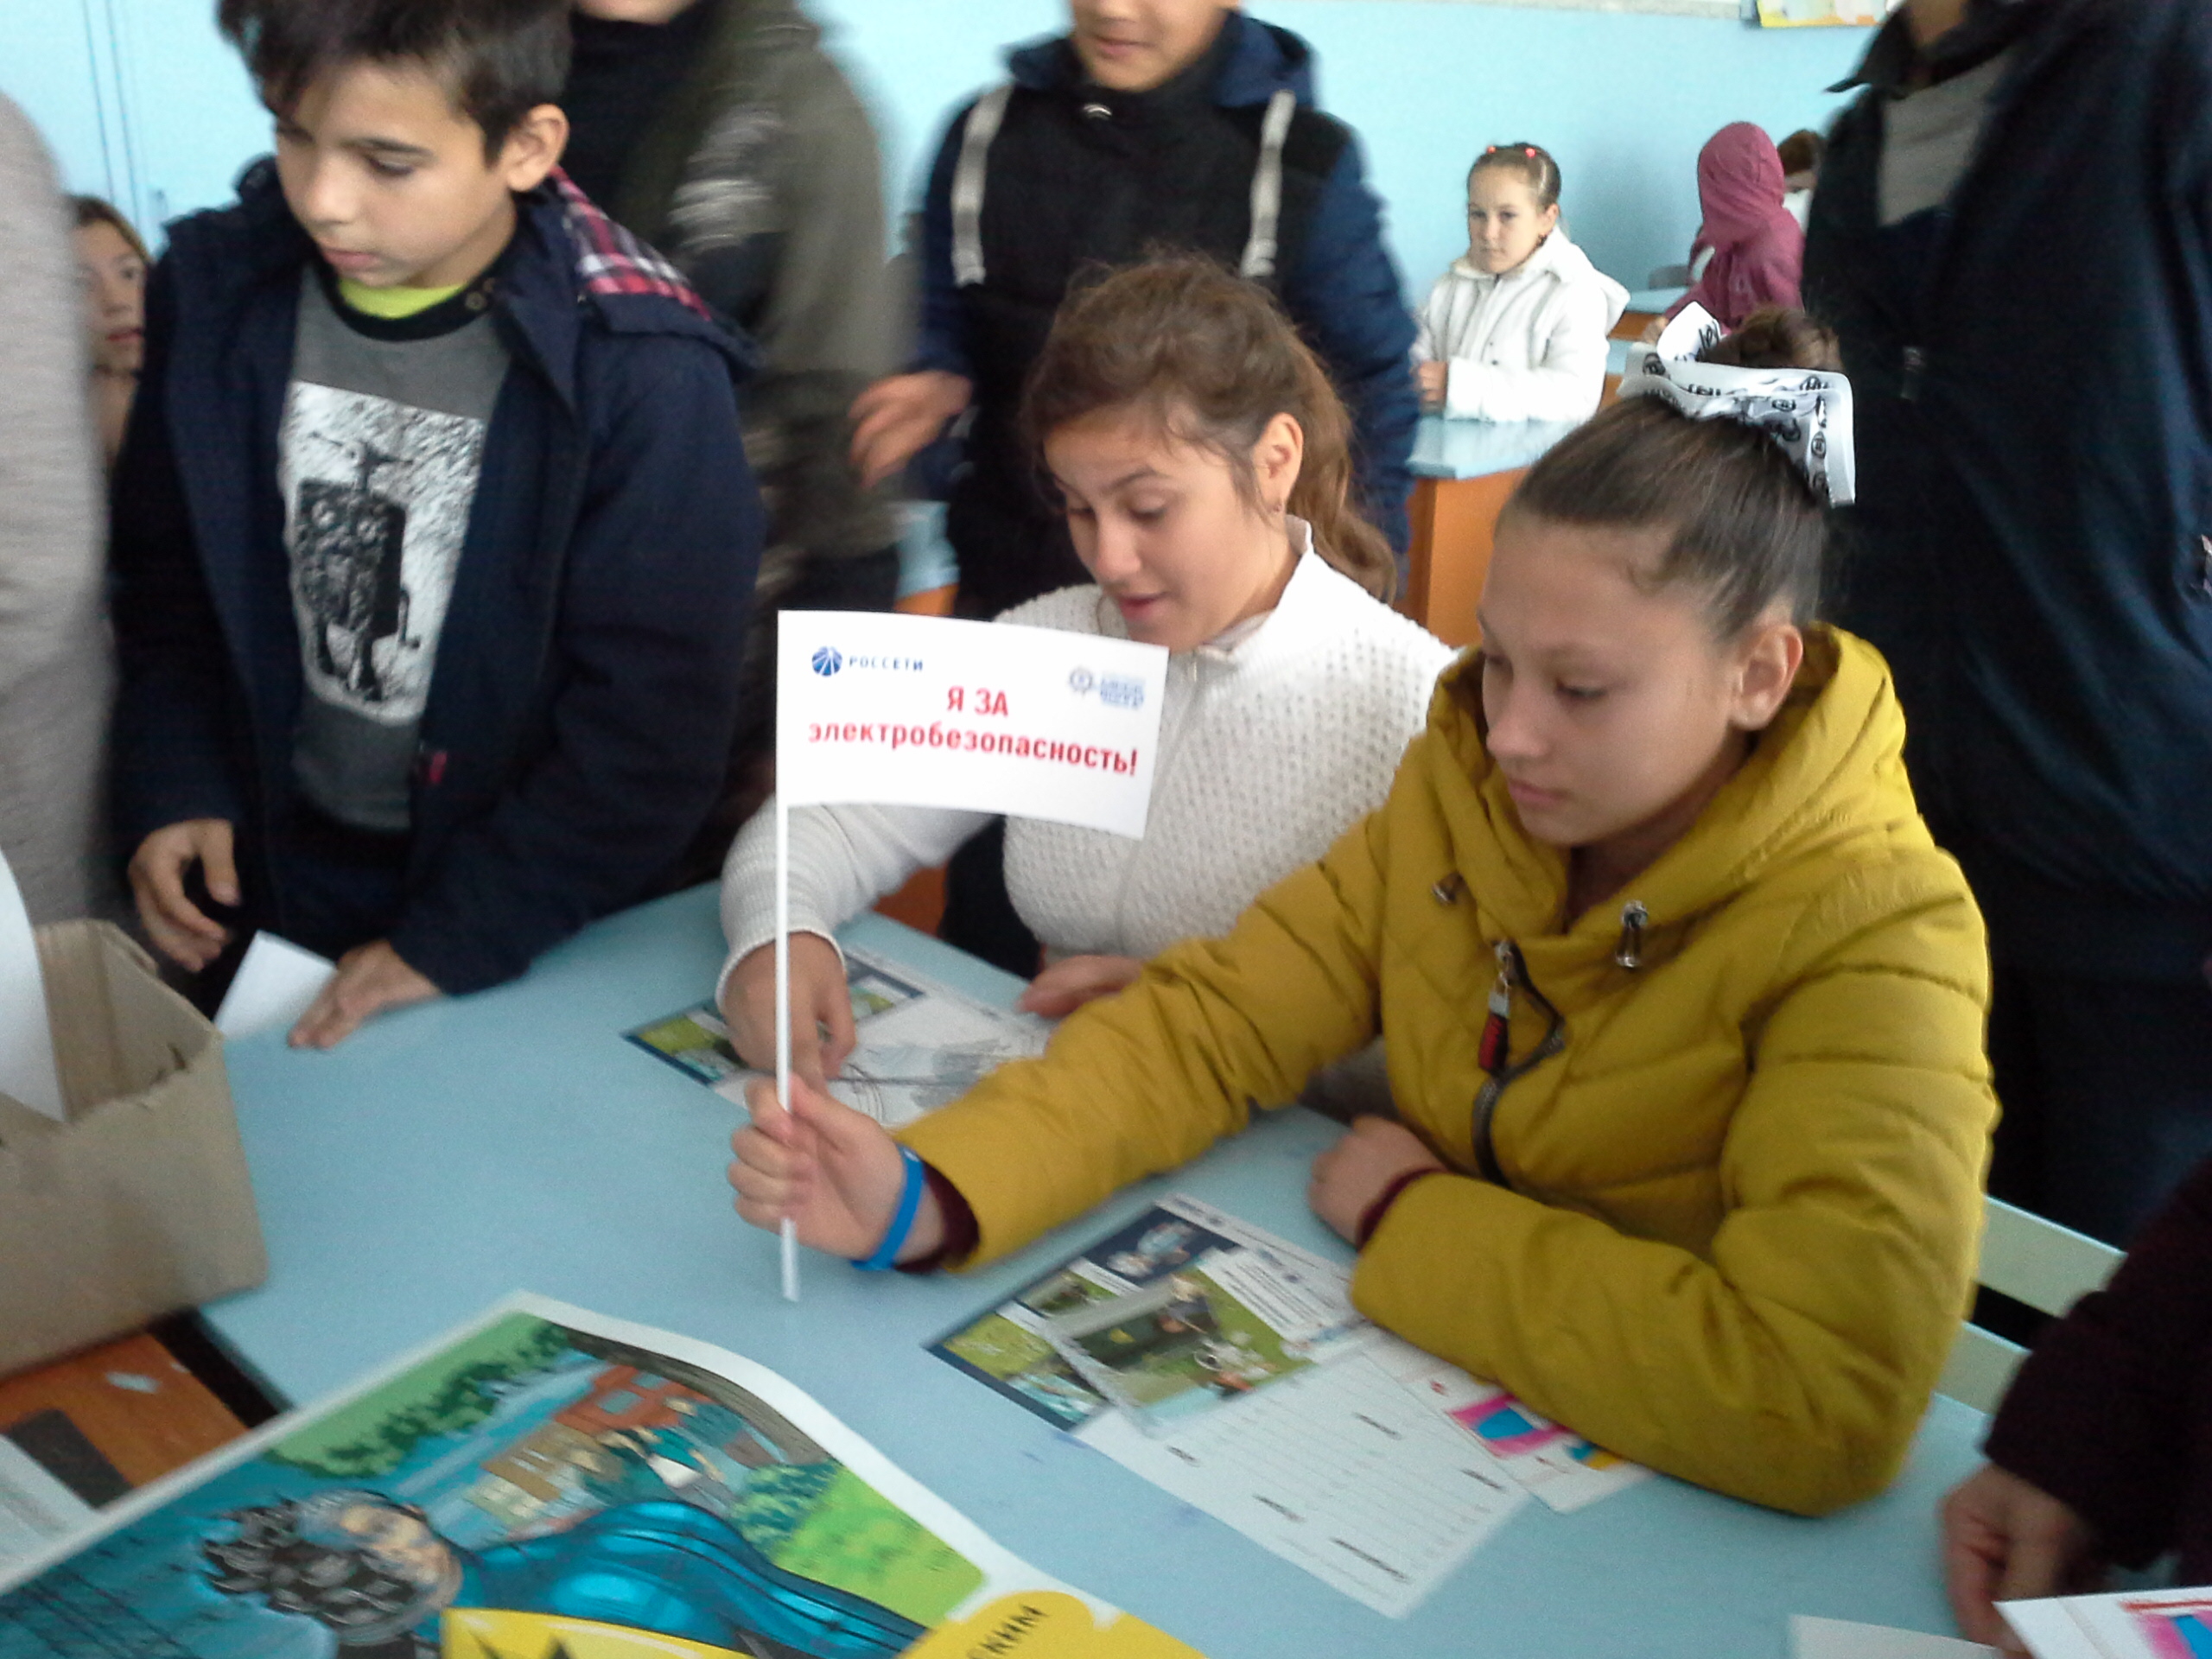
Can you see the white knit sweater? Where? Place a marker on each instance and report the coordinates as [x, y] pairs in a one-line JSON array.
[[1269, 749]]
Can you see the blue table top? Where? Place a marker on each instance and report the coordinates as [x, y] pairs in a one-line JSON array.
[[1458, 449], [450, 1154]]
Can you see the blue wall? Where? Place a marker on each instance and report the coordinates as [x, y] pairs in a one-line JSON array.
[[1622, 100]]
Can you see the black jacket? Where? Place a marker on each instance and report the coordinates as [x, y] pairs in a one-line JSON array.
[[1079, 177], [580, 714], [2032, 367]]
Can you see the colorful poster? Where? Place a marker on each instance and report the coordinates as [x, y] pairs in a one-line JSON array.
[[550, 1485]]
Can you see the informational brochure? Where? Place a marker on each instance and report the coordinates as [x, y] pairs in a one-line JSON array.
[[2136, 1625], [921, 1045], [549, 1482], [1251, 1390], [1556, 1464]]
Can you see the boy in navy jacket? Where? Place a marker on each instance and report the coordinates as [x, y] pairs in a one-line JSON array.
[[434, 540]]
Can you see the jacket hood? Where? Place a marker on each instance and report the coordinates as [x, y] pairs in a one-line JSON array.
[[1830, 767], [567, 257], [1739, 185], [1263, 59]]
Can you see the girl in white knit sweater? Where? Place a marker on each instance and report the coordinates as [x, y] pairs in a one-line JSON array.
[[1203, 461], [1516, 329]]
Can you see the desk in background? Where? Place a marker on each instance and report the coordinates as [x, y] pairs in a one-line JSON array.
[[449, 1153]]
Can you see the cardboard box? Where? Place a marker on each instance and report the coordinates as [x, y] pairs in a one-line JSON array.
[[139, 1204]]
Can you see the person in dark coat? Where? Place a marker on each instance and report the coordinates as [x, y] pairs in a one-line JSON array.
[[724, 134], [434, 537], [1146, 130], [2102, 1450], [2013, 239]]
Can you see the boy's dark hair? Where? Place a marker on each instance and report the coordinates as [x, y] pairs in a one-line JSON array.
[[1532, 161], [500, 58], [1746, 527], [1213, 358], [1802, 150]]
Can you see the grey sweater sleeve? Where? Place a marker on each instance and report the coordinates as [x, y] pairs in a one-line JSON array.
[[49, 535], [831, 323], [56, 661]]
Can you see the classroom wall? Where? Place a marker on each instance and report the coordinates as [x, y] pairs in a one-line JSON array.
[[144, 103]]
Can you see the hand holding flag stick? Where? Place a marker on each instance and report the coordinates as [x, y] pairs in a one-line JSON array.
[[930, 711]]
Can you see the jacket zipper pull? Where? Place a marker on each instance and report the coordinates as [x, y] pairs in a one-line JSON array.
[[1497, 1029], [1629, 951], [1915, 366]]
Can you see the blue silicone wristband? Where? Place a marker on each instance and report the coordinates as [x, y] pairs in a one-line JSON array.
[[902, 1223]]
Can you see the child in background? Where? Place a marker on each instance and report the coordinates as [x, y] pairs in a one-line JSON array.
[[1757, 249], [111, 266], [1203, 462], [434, 537], [1516, 329], [1705, 1184], [1800, 154]]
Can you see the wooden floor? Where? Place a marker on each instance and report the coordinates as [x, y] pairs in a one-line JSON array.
[[141, 1409]]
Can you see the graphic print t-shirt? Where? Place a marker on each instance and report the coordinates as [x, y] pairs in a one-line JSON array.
[[378, 457]]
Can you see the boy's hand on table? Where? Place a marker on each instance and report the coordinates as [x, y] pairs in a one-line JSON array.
[[369, 980], [185, 933], [837, 1174], [1353, 1175], [1430, 380], [821, 1000], [898, 417], [2006, 1540], [1073, 981]]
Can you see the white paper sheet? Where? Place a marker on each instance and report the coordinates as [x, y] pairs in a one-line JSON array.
[[1565, 1470], [35, 1509], [26, 1069], [276, 983], [1836, 1638], [2133, 1625], [1338, 1470]]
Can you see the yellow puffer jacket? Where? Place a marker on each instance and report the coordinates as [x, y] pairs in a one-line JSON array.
[[1737, 1199]]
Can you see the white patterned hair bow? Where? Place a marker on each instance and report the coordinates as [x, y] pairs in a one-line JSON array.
[[1807, 411]]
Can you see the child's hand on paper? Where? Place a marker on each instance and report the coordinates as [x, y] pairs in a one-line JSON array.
[[820, 999], [185, 933], [1073, 981], [898, 417], [2005, 1540], [369, 980], [837, 1174], [1349, 1176]]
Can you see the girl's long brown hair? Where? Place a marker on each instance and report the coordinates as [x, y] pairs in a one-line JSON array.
[[1213, 358]]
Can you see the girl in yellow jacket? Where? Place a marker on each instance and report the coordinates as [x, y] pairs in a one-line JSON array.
[[1684, 1008]]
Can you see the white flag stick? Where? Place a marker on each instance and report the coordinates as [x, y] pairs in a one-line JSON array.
[[789, 1232]]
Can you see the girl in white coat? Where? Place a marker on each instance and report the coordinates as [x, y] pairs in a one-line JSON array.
[[1516, 329], [1204, 463]]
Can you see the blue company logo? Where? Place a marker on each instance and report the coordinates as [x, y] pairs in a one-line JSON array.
[[1117, 692], [827, 661], [1080, 681]]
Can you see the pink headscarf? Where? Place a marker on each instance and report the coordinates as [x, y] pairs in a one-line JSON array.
[[1758, 251]]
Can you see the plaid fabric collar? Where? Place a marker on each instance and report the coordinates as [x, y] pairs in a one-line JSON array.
[[612, 261]]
